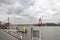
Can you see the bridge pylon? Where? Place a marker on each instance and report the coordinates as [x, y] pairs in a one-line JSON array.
[[40, 22]]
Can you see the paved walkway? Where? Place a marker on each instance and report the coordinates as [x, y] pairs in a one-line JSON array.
[[6, 36]]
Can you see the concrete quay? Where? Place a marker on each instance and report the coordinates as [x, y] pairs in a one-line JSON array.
[[6, 36]]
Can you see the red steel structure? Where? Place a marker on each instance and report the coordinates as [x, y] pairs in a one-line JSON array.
[[8, 19], [40, 22]]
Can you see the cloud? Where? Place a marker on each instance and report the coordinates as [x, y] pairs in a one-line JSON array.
[[30, 10]]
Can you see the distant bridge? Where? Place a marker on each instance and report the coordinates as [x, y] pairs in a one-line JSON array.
[[26, 24]]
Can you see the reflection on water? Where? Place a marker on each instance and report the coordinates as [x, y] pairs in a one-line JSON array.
[[24, 35], [45, 33], [18, 34]]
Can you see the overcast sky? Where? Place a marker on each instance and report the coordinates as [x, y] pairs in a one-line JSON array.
[[29, 11]]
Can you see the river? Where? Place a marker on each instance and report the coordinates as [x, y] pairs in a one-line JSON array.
[[40, 33]]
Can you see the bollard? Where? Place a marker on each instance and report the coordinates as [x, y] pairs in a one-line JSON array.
[[21, 38]]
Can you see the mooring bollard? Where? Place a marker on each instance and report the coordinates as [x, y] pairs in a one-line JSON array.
[[31, 33], [21, 38]]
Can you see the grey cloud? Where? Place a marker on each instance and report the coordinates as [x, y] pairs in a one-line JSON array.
[[7, 1], [28, 15], [26, 2], [58, 12], [18, 10]]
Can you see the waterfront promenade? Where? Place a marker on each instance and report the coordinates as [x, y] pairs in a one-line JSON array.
[[6, 36]]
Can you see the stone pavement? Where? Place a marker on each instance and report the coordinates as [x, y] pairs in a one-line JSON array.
[[6, 36]]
